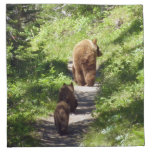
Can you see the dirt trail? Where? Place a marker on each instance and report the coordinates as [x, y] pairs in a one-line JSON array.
[[78, 122]]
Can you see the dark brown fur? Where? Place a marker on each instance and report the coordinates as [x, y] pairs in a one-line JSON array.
[[61, 117], [66, 93], [84, 62]]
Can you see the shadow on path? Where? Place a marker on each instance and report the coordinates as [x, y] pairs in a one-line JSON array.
[[50, 138], [78, 122]]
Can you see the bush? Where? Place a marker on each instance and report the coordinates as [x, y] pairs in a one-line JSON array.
[[120, 102]]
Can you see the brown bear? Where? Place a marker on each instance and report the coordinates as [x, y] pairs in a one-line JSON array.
[[84, 62], [61, 117], [66, 93]]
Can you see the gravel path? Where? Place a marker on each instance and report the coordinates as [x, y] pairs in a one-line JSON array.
[[78, 122]]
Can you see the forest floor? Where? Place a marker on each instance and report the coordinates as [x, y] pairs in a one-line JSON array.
[[78, 122]]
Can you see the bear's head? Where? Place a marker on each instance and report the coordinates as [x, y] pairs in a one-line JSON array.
[[66, 93], [98, 50]]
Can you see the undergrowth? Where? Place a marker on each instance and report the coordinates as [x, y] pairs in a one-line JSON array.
[[37, 68], [120, 103]]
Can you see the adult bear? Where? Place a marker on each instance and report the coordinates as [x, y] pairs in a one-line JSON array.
[[84, 62]]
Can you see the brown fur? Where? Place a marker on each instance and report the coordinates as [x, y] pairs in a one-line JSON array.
[[84, 62], [61, 117], [66, 93]]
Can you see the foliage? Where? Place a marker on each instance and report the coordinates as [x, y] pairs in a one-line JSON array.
[[40, 39], [119, 104]]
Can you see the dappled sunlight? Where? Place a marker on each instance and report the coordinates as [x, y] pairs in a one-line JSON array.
[[40, 40]]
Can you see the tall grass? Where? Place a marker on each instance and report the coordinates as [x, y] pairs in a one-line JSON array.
[[33, 90], [120, 103]]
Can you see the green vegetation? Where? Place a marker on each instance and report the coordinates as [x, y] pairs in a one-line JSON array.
[[36, 70], [119, 105], [40, 39]]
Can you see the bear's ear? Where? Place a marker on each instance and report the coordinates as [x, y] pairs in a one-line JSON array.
[[94, 41]]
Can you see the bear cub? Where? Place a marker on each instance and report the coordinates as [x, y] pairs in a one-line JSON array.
[[67, 103], [61, 117], [66, 93]]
